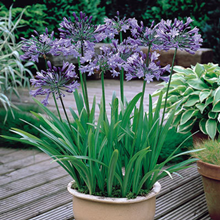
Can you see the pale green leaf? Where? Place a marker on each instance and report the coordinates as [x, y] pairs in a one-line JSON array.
[[204, 95], [187, 115], [192, 100], [211, 127], [202, 123], [197, 84], [216, 107], [201, 107], [199, 70]]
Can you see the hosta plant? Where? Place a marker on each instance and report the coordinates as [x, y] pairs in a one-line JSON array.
[[195, 92]]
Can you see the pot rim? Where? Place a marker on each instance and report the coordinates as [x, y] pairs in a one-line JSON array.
[[156, 189], [208, 170], [208, 164]]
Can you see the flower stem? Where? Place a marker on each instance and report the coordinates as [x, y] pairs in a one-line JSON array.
[[121, 76], [83, 83], [103, 94], [122, 85], [61, 100], [168, 87], [144, 84], [58, 111]]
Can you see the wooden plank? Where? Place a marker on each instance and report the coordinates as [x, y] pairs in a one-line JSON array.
[[205, 217], [38, 207], [63, 212], [32, 181], [194, 209], [5, 151], [131, 88], [31, 195], [168, 184], [178, 197], [17, 155], [19, 164], [27, 171]]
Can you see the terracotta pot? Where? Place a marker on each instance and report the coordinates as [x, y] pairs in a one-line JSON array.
[[211, 183], [88, 207]]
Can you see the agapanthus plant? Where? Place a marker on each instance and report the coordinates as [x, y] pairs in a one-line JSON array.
[[93, 151]]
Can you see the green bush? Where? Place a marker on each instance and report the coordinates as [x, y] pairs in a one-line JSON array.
[[49, 13], [15, 122], [34, 18], [173, 140], [211, 29]]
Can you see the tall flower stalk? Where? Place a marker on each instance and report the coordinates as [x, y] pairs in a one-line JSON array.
[[81, 31]]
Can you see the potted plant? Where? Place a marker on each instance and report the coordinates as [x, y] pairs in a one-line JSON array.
[[209, 168], [113, 159], [195, 93]]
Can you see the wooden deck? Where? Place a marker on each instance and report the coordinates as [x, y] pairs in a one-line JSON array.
[[31, 187]]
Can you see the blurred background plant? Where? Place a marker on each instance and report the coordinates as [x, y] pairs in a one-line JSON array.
[[13, 72], [211, 152], [49, 13]]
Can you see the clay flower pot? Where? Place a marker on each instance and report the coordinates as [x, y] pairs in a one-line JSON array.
[[88, 207], [211, 183]]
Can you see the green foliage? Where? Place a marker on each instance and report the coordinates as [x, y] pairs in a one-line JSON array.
[[211, 152], [173, 140], [169, 9], [128, 8], [195, 93], [13, 72], [14, 121], [34, 18], [50, 13], [211, 29], [57, 10]]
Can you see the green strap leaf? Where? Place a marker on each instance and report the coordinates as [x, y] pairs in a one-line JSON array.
[[111, 171]]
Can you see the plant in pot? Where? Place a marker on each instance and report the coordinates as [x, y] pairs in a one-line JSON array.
[[113, 159], [209, 168], [195, 93]]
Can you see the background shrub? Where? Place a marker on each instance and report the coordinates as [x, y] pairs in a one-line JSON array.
[[49, 13], [173, 140], [15, 122]]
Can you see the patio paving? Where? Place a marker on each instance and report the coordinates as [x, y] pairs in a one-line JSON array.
[[31, 187]]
